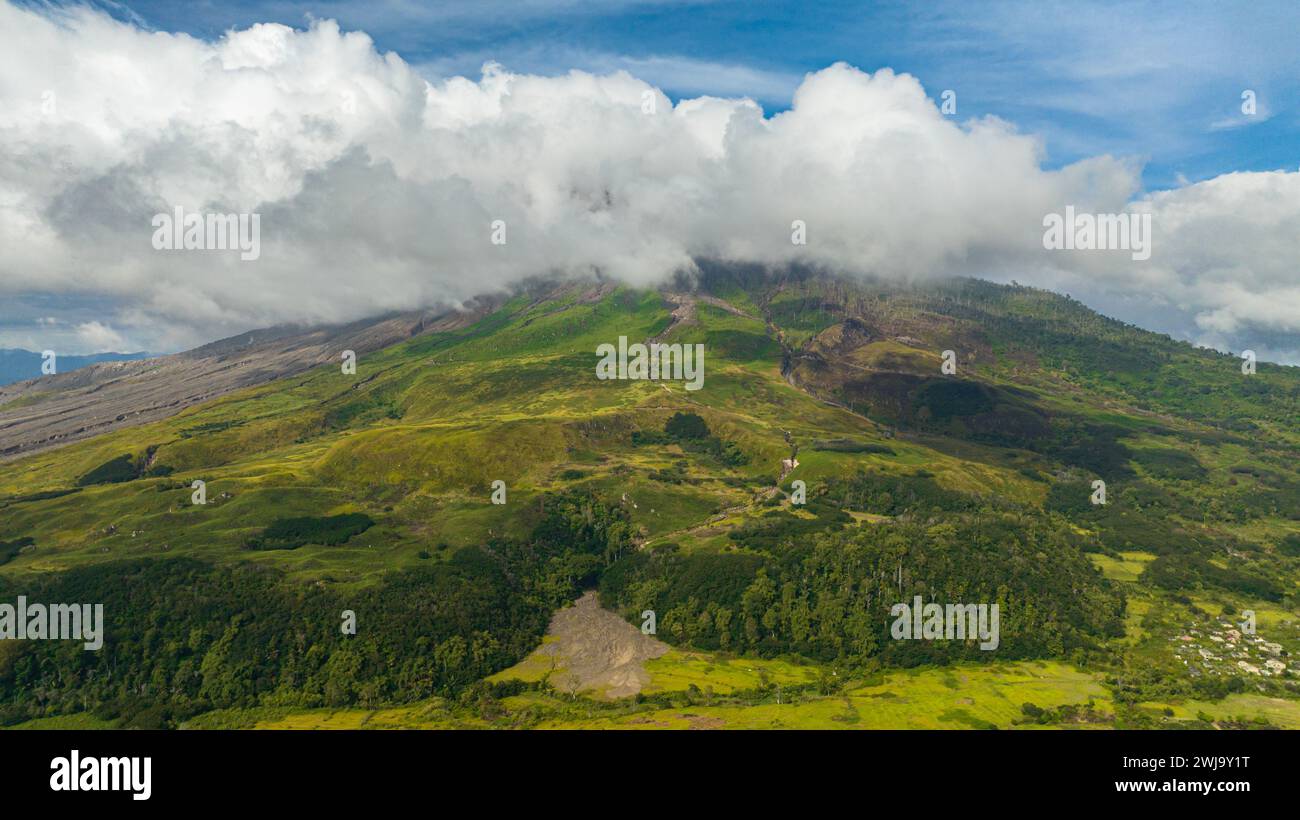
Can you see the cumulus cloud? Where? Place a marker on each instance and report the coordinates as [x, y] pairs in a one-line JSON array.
[[99, 336], [378, 189]]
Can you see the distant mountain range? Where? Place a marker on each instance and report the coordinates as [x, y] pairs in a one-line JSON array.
[[18, 365]]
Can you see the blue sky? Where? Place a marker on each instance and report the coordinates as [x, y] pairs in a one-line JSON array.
[[1157, 82]]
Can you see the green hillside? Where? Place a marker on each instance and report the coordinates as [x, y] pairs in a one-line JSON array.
[[373, 493]]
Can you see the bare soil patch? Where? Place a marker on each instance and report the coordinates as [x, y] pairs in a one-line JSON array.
[[597, 651]]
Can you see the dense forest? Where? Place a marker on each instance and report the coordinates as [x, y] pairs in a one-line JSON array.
[[823, 590], [183, 636]]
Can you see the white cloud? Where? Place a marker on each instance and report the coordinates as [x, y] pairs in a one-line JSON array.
[[96, 336], [377, 189], [1240, 119]]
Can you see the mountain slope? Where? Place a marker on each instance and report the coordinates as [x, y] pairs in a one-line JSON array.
[[20, 365], [75, 404], [350, 491]]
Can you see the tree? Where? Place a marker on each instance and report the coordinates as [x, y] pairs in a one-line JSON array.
[[687, 426]]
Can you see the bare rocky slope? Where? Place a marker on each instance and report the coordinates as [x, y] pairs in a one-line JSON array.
[[59, 409]]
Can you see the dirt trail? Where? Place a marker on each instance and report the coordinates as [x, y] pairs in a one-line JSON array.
[[684, 311], [595, 650]]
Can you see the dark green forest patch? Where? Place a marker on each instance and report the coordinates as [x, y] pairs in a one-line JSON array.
[[329, 531], [690, 432], [114, 471], [9, 549], [848, 445], [1171, 464], [124, 468]]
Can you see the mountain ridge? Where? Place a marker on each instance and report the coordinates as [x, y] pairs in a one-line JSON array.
[[74, 405]]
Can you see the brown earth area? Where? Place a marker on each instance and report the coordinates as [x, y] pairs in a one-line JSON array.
[[598, 651]]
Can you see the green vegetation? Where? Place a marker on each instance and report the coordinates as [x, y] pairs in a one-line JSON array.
[[847, 445], [969, 488], [291, 533], [122, 468], [10, 549], [690, 432], [693, 691], [824, 596], [686, 426], [183, 637]]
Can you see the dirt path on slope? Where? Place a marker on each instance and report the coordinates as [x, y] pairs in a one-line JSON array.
[[683, 312], [595, 650]]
